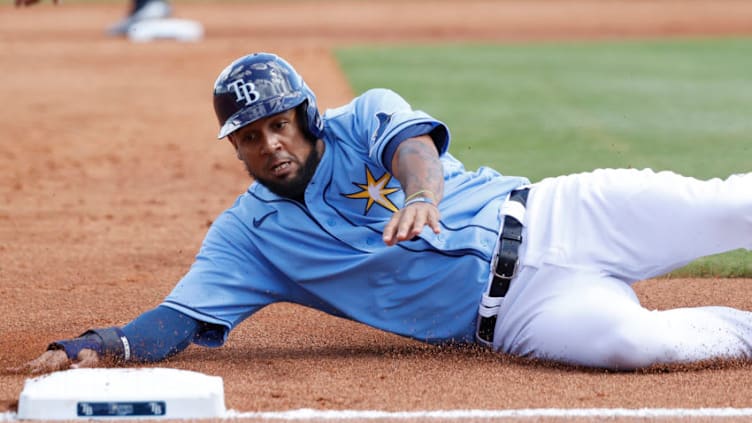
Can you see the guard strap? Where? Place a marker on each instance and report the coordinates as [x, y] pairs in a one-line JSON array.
[[110, 342], [74, 346]]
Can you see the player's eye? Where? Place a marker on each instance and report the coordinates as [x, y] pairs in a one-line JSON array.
[[249, 138]]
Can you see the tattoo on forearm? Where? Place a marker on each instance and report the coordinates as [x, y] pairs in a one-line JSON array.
[[420, 169]]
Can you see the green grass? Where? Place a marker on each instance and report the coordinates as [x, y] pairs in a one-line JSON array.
[[547, 109]]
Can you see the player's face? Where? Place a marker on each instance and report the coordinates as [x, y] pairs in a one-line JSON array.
[[277, 153]]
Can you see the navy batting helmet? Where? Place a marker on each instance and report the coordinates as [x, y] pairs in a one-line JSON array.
[[260, 85]]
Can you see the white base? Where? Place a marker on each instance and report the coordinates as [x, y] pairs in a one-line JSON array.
[[166, 29], [157, 393]]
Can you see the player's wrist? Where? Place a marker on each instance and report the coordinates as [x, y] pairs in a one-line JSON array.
[[106, 342], [418, 200], [425, 193]]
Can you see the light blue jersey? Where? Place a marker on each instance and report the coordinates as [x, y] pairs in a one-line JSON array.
[[329, 254]]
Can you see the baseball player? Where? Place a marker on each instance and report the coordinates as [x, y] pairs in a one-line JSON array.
[[364, 214]]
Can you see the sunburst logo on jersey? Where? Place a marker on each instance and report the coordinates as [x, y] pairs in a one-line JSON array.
[[375, 191]]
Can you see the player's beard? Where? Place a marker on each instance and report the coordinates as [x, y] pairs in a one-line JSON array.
[[294, 188]]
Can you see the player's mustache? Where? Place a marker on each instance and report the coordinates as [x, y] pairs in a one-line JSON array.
[[279, 158]]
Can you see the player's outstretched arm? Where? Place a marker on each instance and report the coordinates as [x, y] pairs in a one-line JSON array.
[[417, 166], [152, 336]]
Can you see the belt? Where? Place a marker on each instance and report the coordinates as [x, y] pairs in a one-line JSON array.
[[506, 262]]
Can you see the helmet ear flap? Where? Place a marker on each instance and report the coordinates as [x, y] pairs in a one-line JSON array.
[[301, 115]]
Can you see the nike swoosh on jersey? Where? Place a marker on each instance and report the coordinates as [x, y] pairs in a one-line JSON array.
[[258, 221]]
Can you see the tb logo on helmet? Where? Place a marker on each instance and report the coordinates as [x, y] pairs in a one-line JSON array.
[[244, 91]]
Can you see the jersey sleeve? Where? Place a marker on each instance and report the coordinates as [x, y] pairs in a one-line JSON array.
[[382, 114], [228, 282]]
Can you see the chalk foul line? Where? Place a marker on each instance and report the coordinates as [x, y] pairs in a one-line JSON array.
[[312, 414]]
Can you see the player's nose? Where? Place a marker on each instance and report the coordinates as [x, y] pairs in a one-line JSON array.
[[270, 142]]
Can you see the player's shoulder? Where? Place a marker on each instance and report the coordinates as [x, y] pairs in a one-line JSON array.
[[379, 92], [380, 95]]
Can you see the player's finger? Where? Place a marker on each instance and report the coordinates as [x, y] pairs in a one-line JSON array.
[[409, 222], [433, 220], [427, 214], [391, 228], [50, 361], [86, 358], [419, 221], [406, 223]]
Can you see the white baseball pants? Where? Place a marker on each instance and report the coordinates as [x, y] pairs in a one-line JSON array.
[[588, 237]]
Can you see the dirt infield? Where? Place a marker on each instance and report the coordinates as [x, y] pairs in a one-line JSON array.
[[111, 173]]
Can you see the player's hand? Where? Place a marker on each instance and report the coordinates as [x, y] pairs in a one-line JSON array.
[[408, 222], [54, 360], [30, 2]]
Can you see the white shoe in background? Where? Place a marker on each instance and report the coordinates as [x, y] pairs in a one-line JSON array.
[[154, 9], [166, 29]]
